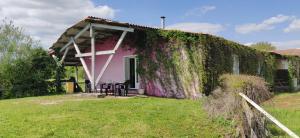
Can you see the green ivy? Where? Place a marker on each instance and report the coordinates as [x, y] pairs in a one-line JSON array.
[[192, 62]]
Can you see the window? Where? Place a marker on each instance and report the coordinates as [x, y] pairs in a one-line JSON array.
[[259, 68], [236, 65]]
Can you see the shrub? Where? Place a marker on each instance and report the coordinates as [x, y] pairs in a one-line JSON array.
[[25, 67], [226, 102]]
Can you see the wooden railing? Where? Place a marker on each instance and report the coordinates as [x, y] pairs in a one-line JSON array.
[[273, 119]]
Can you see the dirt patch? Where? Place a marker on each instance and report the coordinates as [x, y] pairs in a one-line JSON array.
[[49, 103], [75, 98], [283, 101]]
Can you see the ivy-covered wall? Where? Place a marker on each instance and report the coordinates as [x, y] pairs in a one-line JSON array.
[[187, 65], [293, 69]]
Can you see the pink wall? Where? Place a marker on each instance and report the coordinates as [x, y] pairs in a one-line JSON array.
[[115, 70]]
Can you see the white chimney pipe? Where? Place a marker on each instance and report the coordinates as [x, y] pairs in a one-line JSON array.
[[162, 21]]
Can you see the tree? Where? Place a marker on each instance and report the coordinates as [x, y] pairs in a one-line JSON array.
[[263, 46], [25, 67]]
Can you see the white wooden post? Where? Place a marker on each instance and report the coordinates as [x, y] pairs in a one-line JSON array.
[[93, 58], [273, 119], [76, 73]]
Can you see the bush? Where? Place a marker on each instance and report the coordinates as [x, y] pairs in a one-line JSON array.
[[225, 102], [28, 76], [25, 67]]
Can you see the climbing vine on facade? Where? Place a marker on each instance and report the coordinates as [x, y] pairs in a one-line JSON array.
[[187, 65]]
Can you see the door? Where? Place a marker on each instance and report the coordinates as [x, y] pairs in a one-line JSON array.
[[130, 72]]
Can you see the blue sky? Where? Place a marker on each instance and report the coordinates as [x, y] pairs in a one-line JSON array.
[[229, 14], [242, 21]]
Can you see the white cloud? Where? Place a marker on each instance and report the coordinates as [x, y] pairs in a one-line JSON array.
[[249, 44], [287, 44], [45, 20], [267, 24], [200, 11], [293, 27], [197, 27]]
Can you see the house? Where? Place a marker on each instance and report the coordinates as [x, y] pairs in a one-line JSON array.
[[165, 63], [287, 69]]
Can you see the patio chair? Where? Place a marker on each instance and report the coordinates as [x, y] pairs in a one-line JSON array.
[[98, 88], [107, 88], [87, 86], [126, 86], [122, 88]]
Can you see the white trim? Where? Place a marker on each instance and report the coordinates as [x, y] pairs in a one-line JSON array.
[[130, 56], [113, 27], [273, 119]]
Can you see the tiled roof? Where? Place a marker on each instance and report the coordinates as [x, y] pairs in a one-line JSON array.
[[111, 22], [290, 52]]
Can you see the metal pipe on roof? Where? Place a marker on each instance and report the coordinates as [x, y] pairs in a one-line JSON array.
[[162, 21]]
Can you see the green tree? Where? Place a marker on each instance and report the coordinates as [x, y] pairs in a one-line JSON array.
[[25, 67], [263, 46]]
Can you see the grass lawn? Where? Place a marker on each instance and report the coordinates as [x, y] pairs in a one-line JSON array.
[[286, 108], [73, 116]]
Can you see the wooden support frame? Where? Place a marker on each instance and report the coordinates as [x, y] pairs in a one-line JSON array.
[[75, 37], [82, 60], [111, 56], [91, 73]]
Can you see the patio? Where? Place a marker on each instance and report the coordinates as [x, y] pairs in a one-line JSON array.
[[95, 44]]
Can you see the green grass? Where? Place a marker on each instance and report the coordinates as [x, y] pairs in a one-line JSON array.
[[72, 116], [286, 108]]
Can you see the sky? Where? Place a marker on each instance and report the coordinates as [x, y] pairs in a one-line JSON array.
[[246, 22]]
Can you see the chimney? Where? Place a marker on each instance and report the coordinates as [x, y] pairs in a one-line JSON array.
[[162, 21]]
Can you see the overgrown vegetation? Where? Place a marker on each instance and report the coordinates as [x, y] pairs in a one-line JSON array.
[[293, 69], [186, 65], [225, 102], [263, 46], [25, 67]]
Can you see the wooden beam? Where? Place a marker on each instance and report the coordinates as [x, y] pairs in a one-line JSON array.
[[65, 54], [82, 60], [112, 27], [120, 40], [75, 37], [93, 59], [106, 52], [104, 68], [81, 37], [76, 73], [273, 119], [111, 56]]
